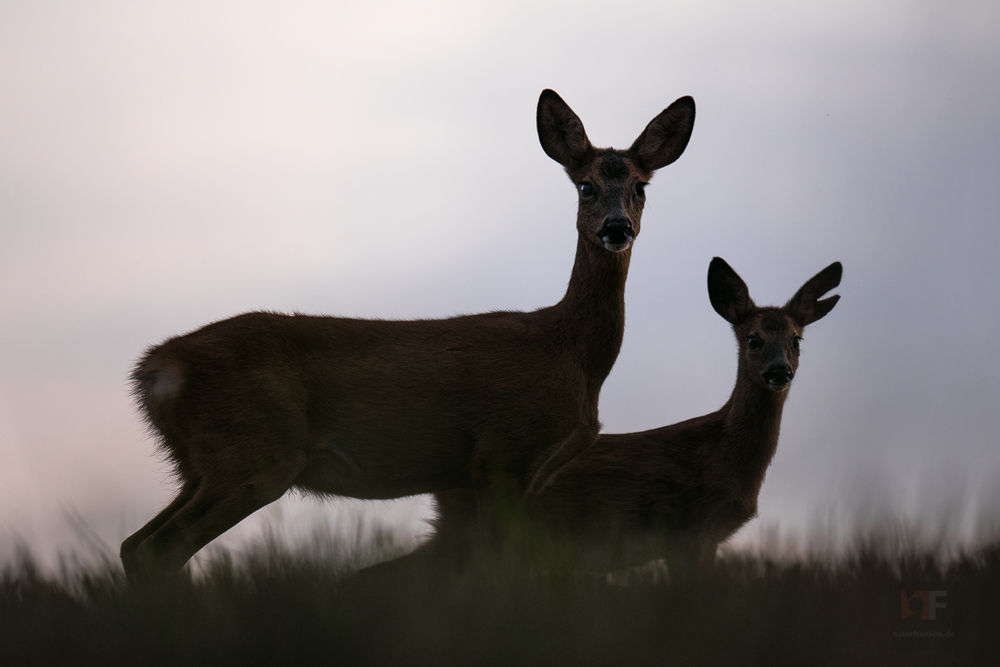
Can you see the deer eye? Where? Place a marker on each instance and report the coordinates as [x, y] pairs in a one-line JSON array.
[[586, 189], [640, 189], [795, 342], [753, 342]]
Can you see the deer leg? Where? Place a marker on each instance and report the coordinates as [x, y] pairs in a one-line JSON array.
[[497, 505], [218, 504], [132, 543], [505, 491], [580, 439]]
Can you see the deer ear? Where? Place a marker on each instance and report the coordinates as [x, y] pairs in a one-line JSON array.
[[560, 131], [666, 136], [727, 291], [805, 306]]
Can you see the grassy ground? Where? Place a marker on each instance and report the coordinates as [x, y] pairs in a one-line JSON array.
[[278, 607]]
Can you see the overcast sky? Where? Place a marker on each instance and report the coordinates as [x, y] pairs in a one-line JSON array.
[[166, 165]]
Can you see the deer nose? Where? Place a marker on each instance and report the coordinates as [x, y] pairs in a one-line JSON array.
[[778, 375], [616, 230]]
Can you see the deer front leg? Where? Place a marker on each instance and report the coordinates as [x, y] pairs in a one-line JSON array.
[[506, 488], [572, 446]]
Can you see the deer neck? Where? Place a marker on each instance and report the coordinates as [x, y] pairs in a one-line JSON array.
[[752, 423], [592, 313]]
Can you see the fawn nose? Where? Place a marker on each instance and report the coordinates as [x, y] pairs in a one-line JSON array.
[[778, 375], [616, 231]]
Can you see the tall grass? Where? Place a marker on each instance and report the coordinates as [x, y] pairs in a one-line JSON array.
[[277, 606]]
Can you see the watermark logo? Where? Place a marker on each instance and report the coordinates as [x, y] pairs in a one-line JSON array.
[[925, 621], [930, 603]]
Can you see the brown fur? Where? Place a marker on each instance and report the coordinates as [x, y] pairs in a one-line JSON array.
[[251, 406], [680, 489]]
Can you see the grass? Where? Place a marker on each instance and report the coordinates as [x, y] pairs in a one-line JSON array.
[[280, 607]]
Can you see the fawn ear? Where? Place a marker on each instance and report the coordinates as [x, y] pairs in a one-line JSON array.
[[805, 306], [666, 136], [560, 131], [727, 291]]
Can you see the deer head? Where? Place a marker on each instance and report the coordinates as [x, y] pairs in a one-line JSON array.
[[769, 337], [610, 182]]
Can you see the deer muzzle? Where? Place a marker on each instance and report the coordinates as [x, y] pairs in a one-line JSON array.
[[778, 376], [616, 234]]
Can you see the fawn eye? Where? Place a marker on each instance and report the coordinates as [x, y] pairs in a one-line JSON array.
[[586, 189], [640, 189], [795, 342], [753, 342]]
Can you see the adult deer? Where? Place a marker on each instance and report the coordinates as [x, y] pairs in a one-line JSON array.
[[249, 407], [677, 491]]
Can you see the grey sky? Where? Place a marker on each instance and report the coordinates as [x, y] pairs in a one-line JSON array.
[[162, 166]]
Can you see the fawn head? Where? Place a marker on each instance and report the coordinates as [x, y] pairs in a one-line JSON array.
[[609, 182], [769, 336]]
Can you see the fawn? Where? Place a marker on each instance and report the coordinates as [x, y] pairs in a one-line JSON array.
[[677, 491]]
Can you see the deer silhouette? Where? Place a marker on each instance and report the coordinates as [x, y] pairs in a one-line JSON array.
[[676, 491], [249, 407]]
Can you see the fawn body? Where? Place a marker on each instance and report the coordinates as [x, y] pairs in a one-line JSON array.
[[679, 490], [249, 407]]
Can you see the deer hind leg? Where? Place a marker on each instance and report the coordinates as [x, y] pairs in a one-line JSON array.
[[131, 544], [221, 499], [214, 509]]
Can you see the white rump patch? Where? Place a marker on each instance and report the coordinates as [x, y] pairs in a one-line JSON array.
[[166, 381]]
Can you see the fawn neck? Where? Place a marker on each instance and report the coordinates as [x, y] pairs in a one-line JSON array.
[[592, 313], [752, 422]]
